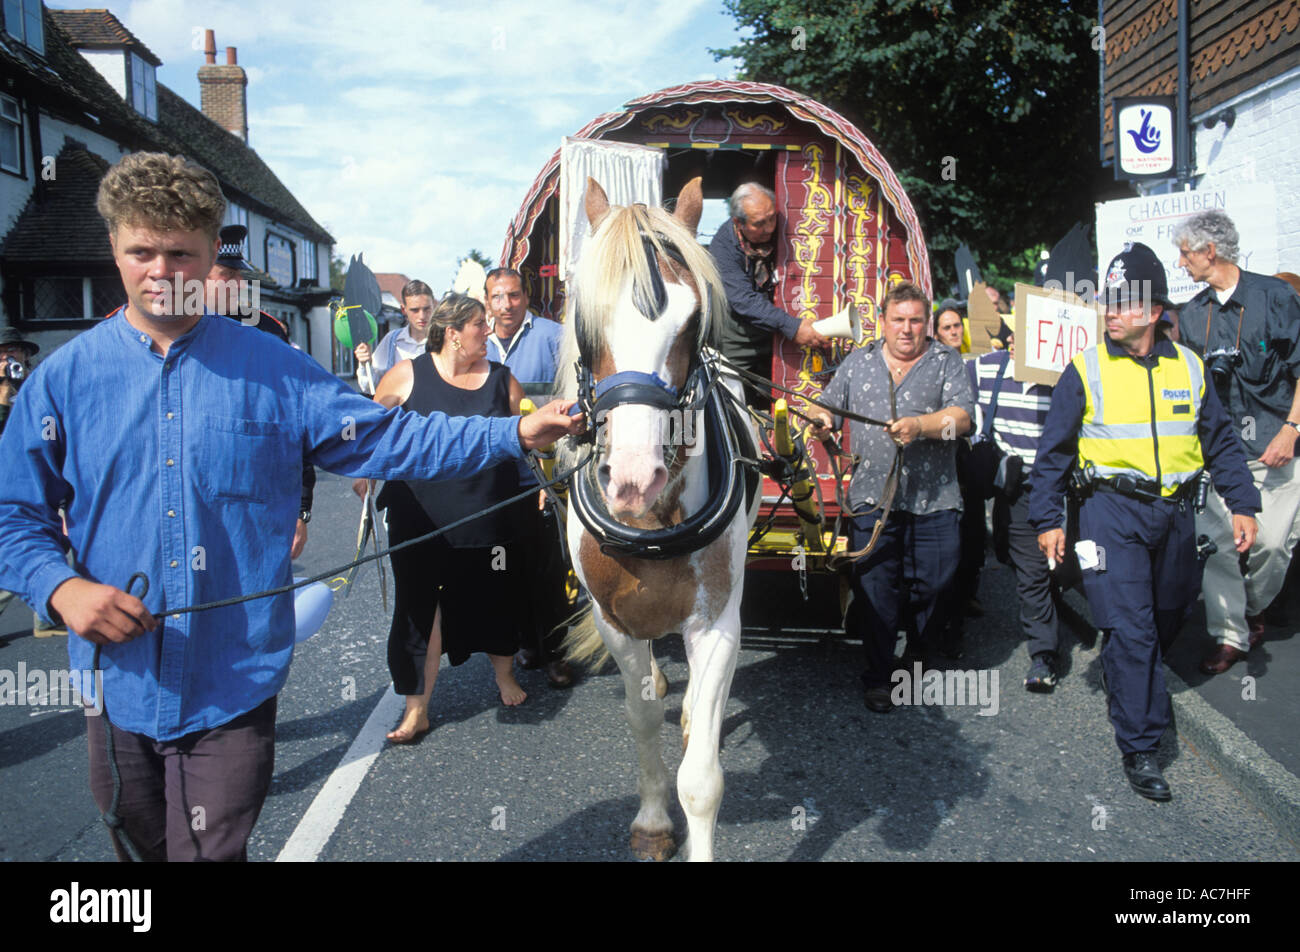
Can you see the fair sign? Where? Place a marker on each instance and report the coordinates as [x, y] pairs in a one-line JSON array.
[[1051, 327]]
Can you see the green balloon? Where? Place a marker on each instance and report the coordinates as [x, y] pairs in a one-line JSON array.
[[343, 327]]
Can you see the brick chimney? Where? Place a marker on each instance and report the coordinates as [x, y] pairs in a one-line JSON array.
[[223, 90]]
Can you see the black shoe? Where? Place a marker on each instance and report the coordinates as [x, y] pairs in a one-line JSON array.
[[1145, 777], [878, 700], [1041, 678]]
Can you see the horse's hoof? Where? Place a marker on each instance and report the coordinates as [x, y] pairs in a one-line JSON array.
[[653, 846]]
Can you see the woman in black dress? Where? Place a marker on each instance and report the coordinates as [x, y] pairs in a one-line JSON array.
[[454, 592]]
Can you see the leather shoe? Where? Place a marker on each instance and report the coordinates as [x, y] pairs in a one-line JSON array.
[[560, 674], [1144, 776], [1256, 625], [527, 659], [879, 700], [1221, 659]]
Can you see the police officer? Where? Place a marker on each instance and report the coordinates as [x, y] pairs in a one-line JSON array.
[[1134, 420]]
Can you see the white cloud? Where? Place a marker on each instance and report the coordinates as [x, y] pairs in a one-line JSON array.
[[412, 130]]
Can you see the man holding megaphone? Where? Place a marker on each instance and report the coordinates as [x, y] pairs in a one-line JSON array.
[[745, 253]]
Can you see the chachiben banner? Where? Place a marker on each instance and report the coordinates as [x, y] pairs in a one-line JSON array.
[[1152, 219]]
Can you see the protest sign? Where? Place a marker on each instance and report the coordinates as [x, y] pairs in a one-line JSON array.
[[1051, 327]]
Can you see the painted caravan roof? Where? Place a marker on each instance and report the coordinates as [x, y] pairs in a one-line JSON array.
[[827, 121]]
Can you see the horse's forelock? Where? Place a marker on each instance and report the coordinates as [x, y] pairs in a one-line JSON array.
[[628, 242]]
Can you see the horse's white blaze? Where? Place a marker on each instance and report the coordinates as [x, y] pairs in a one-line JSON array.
[[633, 473]]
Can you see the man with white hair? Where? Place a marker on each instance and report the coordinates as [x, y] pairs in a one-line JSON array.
[[1246, 327], [745, 254]]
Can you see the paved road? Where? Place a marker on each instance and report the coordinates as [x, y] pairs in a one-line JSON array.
[[554, 780]]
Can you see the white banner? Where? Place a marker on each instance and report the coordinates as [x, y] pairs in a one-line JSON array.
[[1151, 220]]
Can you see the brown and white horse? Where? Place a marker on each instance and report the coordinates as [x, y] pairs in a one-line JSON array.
[[643, 307]]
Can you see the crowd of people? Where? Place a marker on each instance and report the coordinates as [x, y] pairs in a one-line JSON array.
[[217, 413], [1100, 481], [1138, 476]]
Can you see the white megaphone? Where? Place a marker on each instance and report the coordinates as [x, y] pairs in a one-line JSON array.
[[846, 324]]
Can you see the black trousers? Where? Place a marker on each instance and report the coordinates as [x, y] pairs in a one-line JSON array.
[[916, 559], [1035, 585], [1140, 597], [194, 799], [546, 573]]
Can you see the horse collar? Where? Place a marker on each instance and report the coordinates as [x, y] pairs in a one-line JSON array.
[[727, 489]]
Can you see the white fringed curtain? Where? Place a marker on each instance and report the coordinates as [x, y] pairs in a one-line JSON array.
[[627, 173]]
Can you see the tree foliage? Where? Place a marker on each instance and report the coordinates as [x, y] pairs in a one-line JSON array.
[[480, 257], [338, 272], [999, 95]]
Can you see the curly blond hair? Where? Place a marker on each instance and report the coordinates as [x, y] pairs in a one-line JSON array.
[[161, 192]]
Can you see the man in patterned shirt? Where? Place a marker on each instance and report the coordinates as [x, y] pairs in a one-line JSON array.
[[918, 546]]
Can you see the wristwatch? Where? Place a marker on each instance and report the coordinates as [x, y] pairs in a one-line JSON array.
[[304, 516], [1294, 425]]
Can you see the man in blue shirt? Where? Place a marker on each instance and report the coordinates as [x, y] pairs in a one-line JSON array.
[[744, 250], [530, 346], [175, 441]]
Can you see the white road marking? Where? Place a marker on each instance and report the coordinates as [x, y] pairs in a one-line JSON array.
[[317, 825]]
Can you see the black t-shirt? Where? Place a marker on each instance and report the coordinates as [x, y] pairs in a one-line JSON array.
[[1261, 320]]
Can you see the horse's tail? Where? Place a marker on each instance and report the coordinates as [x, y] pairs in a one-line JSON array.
[[583, 644]]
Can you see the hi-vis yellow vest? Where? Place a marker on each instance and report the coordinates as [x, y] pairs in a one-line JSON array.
[[1140, 421]]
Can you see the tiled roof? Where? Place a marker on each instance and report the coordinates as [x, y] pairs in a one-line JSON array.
[[66, 226], [1249, 38], [392, 283], [99, 29], [65, 84], [1138, 30], [233, 162]]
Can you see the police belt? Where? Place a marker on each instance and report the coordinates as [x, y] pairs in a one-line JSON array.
[[1145, 490]]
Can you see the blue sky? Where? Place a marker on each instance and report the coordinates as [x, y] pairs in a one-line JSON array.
[[412, 130]]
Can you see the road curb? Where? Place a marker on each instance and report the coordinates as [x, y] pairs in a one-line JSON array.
[[1266, 783]]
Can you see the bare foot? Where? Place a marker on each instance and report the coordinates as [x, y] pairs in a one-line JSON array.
[[412, 725], [512, 694]]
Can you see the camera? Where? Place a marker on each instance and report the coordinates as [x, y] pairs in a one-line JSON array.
[[14, 371], [1222, 361]]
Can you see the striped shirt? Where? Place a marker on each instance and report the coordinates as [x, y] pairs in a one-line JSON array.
[[1022, 407]]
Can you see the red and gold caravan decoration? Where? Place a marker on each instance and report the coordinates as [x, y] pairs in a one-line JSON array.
[[848, 234]]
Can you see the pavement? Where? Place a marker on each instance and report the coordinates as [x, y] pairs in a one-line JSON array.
[[1244, 720], [810, 773]]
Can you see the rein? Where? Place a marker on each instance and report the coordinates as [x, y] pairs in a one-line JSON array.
[[833, 454]]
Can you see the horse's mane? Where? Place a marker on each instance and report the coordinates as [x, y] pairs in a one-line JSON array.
[[615, 252]]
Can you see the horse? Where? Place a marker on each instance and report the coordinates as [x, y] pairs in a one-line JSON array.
[[658, 524]]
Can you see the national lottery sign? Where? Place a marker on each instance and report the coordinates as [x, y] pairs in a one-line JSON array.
[[1152, 219]]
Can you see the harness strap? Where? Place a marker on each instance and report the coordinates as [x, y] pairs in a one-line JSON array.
[[726, 463]]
